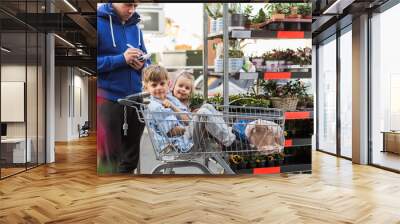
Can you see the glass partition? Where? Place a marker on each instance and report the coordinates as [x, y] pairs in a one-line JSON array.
[[385, 89], [346, 93], [327, 96], [22, 89]]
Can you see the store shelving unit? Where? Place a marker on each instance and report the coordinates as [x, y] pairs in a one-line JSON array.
[[298, 146], [262, 34]]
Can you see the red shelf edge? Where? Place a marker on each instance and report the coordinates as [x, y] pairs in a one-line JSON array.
[[288, 142], [267, 170], [290, 34], [297, 115], [277, 75]]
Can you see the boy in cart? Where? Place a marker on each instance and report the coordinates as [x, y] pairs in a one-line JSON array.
[[175, 127]]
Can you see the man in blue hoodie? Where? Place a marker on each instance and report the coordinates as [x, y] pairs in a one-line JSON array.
[[119, 45]]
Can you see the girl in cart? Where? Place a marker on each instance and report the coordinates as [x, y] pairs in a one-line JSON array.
[[173, 123], [266, 136]]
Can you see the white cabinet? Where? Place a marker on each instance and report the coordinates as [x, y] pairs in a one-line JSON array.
[[13, 150]]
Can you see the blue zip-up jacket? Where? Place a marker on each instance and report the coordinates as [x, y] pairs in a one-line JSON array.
[[116, 79]]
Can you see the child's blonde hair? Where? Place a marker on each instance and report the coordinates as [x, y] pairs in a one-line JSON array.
[[155, 73], [186, 75]]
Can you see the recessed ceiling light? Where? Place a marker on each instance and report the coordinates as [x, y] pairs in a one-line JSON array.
[[70, 5], [84, 71], [5, 50], [64, 40]]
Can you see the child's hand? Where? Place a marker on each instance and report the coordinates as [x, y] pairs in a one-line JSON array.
[[176, 131], [167, 104]]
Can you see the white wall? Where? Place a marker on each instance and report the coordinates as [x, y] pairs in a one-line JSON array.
[[71, 94], [33, 126], [15, 73]]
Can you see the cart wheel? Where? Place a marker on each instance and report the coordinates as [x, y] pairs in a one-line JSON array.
[[169, 171]]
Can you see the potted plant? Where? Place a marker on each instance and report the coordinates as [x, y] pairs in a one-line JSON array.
[[248, 101], [237, 17], [253, 162], [304, 10], [304, 55], [258, 61], [269, 61], [235, 55], [235, 60], [279, 157], [294, 14], [261, 161], [215, 12], [274, 60], [196, 100], [270, 161], [305, 102], [235, 161], [289, 56], [247, 12], [244, 162], [259, 20], [285, 96], [278, 10]]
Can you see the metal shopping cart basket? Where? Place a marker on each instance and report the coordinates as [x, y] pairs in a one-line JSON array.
[[210, 136]]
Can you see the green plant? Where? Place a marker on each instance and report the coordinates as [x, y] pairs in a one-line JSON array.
[[247, 11], [289, 55], [278, 155], [278, 8], [260, 17], [304, 56], [292, 88], [253, 162], [236, 48], [247, 99], [295, 88], [235, 159], [304, 9], [235, 8], [236, 54], [196, 100], [306, 101], [214, 10]]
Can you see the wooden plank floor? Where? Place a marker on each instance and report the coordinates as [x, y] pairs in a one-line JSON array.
[[69, 191]]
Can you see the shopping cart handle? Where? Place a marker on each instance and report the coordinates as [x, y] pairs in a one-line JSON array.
[[134, 99], [138, 97]]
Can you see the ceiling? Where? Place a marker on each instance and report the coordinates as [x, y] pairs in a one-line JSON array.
[[18, 17], [330, 15]]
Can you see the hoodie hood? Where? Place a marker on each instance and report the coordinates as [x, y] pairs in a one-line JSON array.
[[106, 11]]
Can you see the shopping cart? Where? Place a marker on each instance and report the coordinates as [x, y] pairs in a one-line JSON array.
[[200, 146]]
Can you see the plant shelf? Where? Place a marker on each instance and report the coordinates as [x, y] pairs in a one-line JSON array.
[[277, 169], [268, 34], [238, 75], [286, 75], [263, 34], [297, 142], [265, 75]]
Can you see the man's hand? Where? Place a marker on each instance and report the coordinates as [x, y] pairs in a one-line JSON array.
[[131, 54], [131, 57], [136, 64]]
